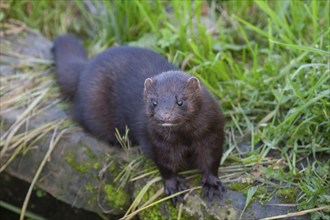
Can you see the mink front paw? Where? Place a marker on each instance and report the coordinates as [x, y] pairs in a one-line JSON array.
[[212, 186], [174, 185]]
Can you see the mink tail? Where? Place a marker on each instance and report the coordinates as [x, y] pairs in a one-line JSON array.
[[70, 59]]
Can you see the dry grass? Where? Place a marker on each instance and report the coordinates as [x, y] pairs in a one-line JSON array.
[[25, 96]]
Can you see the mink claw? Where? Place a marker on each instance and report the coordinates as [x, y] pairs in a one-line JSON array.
[[213, 188], [174, 185], [177, 199]]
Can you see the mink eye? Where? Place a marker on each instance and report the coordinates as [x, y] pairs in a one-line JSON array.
[[154, 103], [180, 103]]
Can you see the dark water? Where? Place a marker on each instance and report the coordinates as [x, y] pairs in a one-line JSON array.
[[13, 191]]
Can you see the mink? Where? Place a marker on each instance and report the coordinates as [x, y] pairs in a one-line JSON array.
[[170, 114]]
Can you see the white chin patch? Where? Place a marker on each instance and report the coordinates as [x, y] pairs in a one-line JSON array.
[[167, 124]]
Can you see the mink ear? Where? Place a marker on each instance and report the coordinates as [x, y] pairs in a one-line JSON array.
[[194, 83], [148, 84]]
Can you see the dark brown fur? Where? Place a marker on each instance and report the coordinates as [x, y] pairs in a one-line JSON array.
[[197, 138], [170, 114]]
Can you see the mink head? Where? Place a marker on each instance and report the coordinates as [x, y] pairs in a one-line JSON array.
[[172, 98]]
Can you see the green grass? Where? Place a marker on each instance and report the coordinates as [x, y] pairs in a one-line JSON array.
[[266, 61]]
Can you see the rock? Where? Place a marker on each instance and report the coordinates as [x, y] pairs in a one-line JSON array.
[[73, 172]]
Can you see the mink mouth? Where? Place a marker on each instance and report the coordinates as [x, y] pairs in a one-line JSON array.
[[169, 124]]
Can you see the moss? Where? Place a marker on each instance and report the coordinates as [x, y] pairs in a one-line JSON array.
[[287, 195], [40, 192], [89, 165], [96, 166], [239, 187], [262, 190], [154, 211], [196, 181], [81, 168], [147, 164], [261, 195], [113, 165], [116, 197], [91, 189], [185, 215], [164, 210], [89, 152]]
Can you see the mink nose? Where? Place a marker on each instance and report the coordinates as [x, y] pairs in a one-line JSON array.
[[165, 116]]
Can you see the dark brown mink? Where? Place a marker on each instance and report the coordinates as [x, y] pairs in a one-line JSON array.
[[172, 117]]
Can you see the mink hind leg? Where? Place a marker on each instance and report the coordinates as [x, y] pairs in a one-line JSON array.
[[93, 105]]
